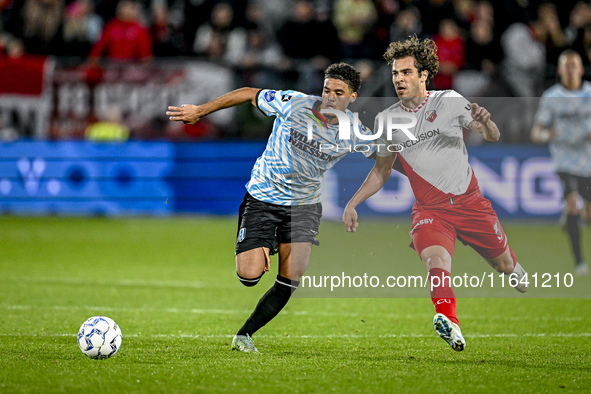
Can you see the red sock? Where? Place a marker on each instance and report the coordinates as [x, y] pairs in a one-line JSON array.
[[442, 295]]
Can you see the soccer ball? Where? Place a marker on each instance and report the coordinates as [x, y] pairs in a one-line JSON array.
[[99, 337]]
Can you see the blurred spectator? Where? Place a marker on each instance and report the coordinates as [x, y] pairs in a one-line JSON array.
[[239, 8], [580, 16], [219, 39], [310, 44], [330, 45], [299, 36], [378, 37], [586, 43], [273, 14], [483, 52], [407, 24], [260, 60], [555, 40], [196, 13], [484, 12], [255, 19], [508, 12], [451, 54], [38, 23], [216, 48], [21, 72], [353, 20], [124, 38], [465, 13], [433, 12], [82, 28], [525, 58], [14, 48], [109, 128], [167, 38]]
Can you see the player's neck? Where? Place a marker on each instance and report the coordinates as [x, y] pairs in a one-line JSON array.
[[574, 85], [414, 102]]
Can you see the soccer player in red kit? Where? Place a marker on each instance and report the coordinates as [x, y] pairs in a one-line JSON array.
[[449, 203]]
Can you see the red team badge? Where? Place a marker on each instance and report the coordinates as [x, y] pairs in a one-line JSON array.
[[430, 116]]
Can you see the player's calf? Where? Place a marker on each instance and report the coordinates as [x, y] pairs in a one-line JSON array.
[[507, 263]]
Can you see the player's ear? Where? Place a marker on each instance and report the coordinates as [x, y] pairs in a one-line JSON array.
[[353, 97], [424, 75]]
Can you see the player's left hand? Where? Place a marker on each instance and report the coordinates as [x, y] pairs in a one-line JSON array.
[[479, 114]]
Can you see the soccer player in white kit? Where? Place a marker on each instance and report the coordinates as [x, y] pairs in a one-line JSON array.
[[449, 203], [563, 120]]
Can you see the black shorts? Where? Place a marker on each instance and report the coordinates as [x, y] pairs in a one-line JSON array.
[[574, 183], [261, 224]]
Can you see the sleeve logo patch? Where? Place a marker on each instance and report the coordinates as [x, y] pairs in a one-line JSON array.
[[269, 96]]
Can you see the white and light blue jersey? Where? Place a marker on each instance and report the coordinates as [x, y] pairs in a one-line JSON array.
[[290, 170], [569, 112]]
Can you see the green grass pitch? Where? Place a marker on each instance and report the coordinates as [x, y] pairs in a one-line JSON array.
[[170, 285]]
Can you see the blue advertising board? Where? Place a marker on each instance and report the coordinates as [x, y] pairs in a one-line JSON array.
[[518, 179], [161, 178]]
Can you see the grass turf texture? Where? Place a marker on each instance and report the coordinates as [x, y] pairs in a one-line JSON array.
[[171, 286]]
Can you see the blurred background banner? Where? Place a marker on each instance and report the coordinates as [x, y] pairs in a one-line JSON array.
[[84, 86], [25, 97], [47, 99], [162, 178], [518, 179]]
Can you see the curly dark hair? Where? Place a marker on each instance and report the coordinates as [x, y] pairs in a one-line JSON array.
[[424, 52], [346, 73]]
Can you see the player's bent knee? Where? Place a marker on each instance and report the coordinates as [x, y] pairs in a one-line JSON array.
[[437, 262], [249, 282]]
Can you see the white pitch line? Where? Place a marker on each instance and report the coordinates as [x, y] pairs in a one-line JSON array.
[[119, 282], [200, 311], [103, 309]]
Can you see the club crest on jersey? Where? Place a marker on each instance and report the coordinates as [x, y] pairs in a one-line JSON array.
[[241, 234], [430, 116], [269, 96]]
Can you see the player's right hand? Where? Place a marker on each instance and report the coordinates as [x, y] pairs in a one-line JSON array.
[[186, 113], [350, 220]]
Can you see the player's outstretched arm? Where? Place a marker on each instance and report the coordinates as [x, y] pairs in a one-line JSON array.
[[482, 123], [190, 114], [376, 178]]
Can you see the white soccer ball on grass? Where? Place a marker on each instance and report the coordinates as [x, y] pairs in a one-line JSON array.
[[99, 337]]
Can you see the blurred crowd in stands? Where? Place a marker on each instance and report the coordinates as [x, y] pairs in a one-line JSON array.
[[499, 48]]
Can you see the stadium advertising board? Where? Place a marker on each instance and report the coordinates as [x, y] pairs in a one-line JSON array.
[[165, 178]]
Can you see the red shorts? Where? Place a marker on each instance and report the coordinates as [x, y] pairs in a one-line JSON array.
[[470, 218]]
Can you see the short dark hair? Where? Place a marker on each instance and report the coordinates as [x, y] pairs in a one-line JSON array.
[[424, 53], [569, 52], [346, 73]]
